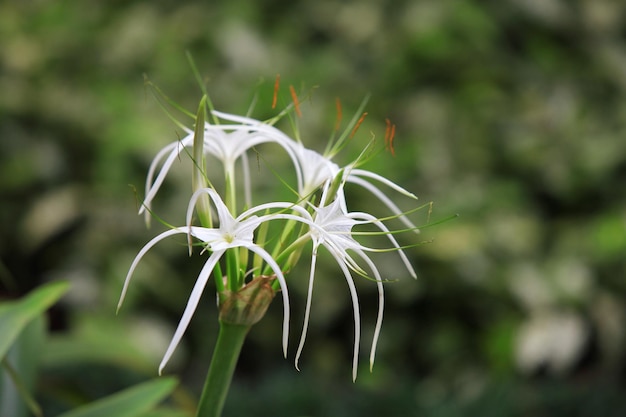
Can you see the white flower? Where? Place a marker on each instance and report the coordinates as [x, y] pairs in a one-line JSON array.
[[227, 143], [329, 224], [231, 233], [316, 169], [331, 227]]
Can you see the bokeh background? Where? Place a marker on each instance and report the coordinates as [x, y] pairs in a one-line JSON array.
[[510, 113]]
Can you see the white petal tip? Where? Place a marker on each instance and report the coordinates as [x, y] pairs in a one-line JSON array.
[[119, 305]]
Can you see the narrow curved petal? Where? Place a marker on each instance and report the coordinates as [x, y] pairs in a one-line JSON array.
[[259, 127], [383, 198], [140, 255], [381, 305], [392, 239], [175, 149], [364, 173], [283, 286], [152, 169], [307, 311], [279, 205], [236, 118], [357, 317], [192, 304]]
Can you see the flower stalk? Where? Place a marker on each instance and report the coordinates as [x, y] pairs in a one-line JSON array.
[[230, 340], [239, 311]]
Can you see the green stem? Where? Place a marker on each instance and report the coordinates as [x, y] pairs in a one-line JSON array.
[[229, 343]]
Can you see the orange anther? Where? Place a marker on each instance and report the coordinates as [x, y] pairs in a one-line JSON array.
[[356, 126], [296, 103], [276, 85], [390, 132]]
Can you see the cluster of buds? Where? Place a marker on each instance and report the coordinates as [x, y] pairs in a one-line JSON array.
[[248, 258]]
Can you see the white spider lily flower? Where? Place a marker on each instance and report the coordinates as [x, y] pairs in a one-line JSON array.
[[231, 233], [331, 227], [317, 169], [226, 142], [313, 169]]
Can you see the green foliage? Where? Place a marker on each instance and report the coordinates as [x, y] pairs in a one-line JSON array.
[[134, 401], [16, 315], [22, 330]]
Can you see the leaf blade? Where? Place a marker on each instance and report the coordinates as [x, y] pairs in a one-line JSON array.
[[131, 402], [15, 315]]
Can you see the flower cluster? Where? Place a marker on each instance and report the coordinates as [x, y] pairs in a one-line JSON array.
[[319, 213]]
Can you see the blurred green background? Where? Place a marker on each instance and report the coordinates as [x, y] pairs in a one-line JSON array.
[[510, 113]]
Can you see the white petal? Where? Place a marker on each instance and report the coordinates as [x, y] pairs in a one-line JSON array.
[[381, 305], [392, 239], [357, 317], [140, 255], [192, 303], [383, 198], [153, 166], [283, 286], [307, 310], [175, 151], [380, 178]]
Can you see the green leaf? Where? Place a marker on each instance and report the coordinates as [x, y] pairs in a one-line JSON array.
[[95, 338], [22, 389], [20, 367], [131, 402], [15, 315]]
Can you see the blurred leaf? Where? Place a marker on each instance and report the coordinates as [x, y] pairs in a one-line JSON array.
[[23, 390], [6, 278], [21, 366], [96, 339], [134, 401], [15, 315]]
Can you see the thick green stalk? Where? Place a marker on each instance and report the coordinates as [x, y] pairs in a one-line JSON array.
[[227, 349]]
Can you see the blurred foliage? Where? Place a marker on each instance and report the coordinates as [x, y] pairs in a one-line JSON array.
[[512, 114]]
